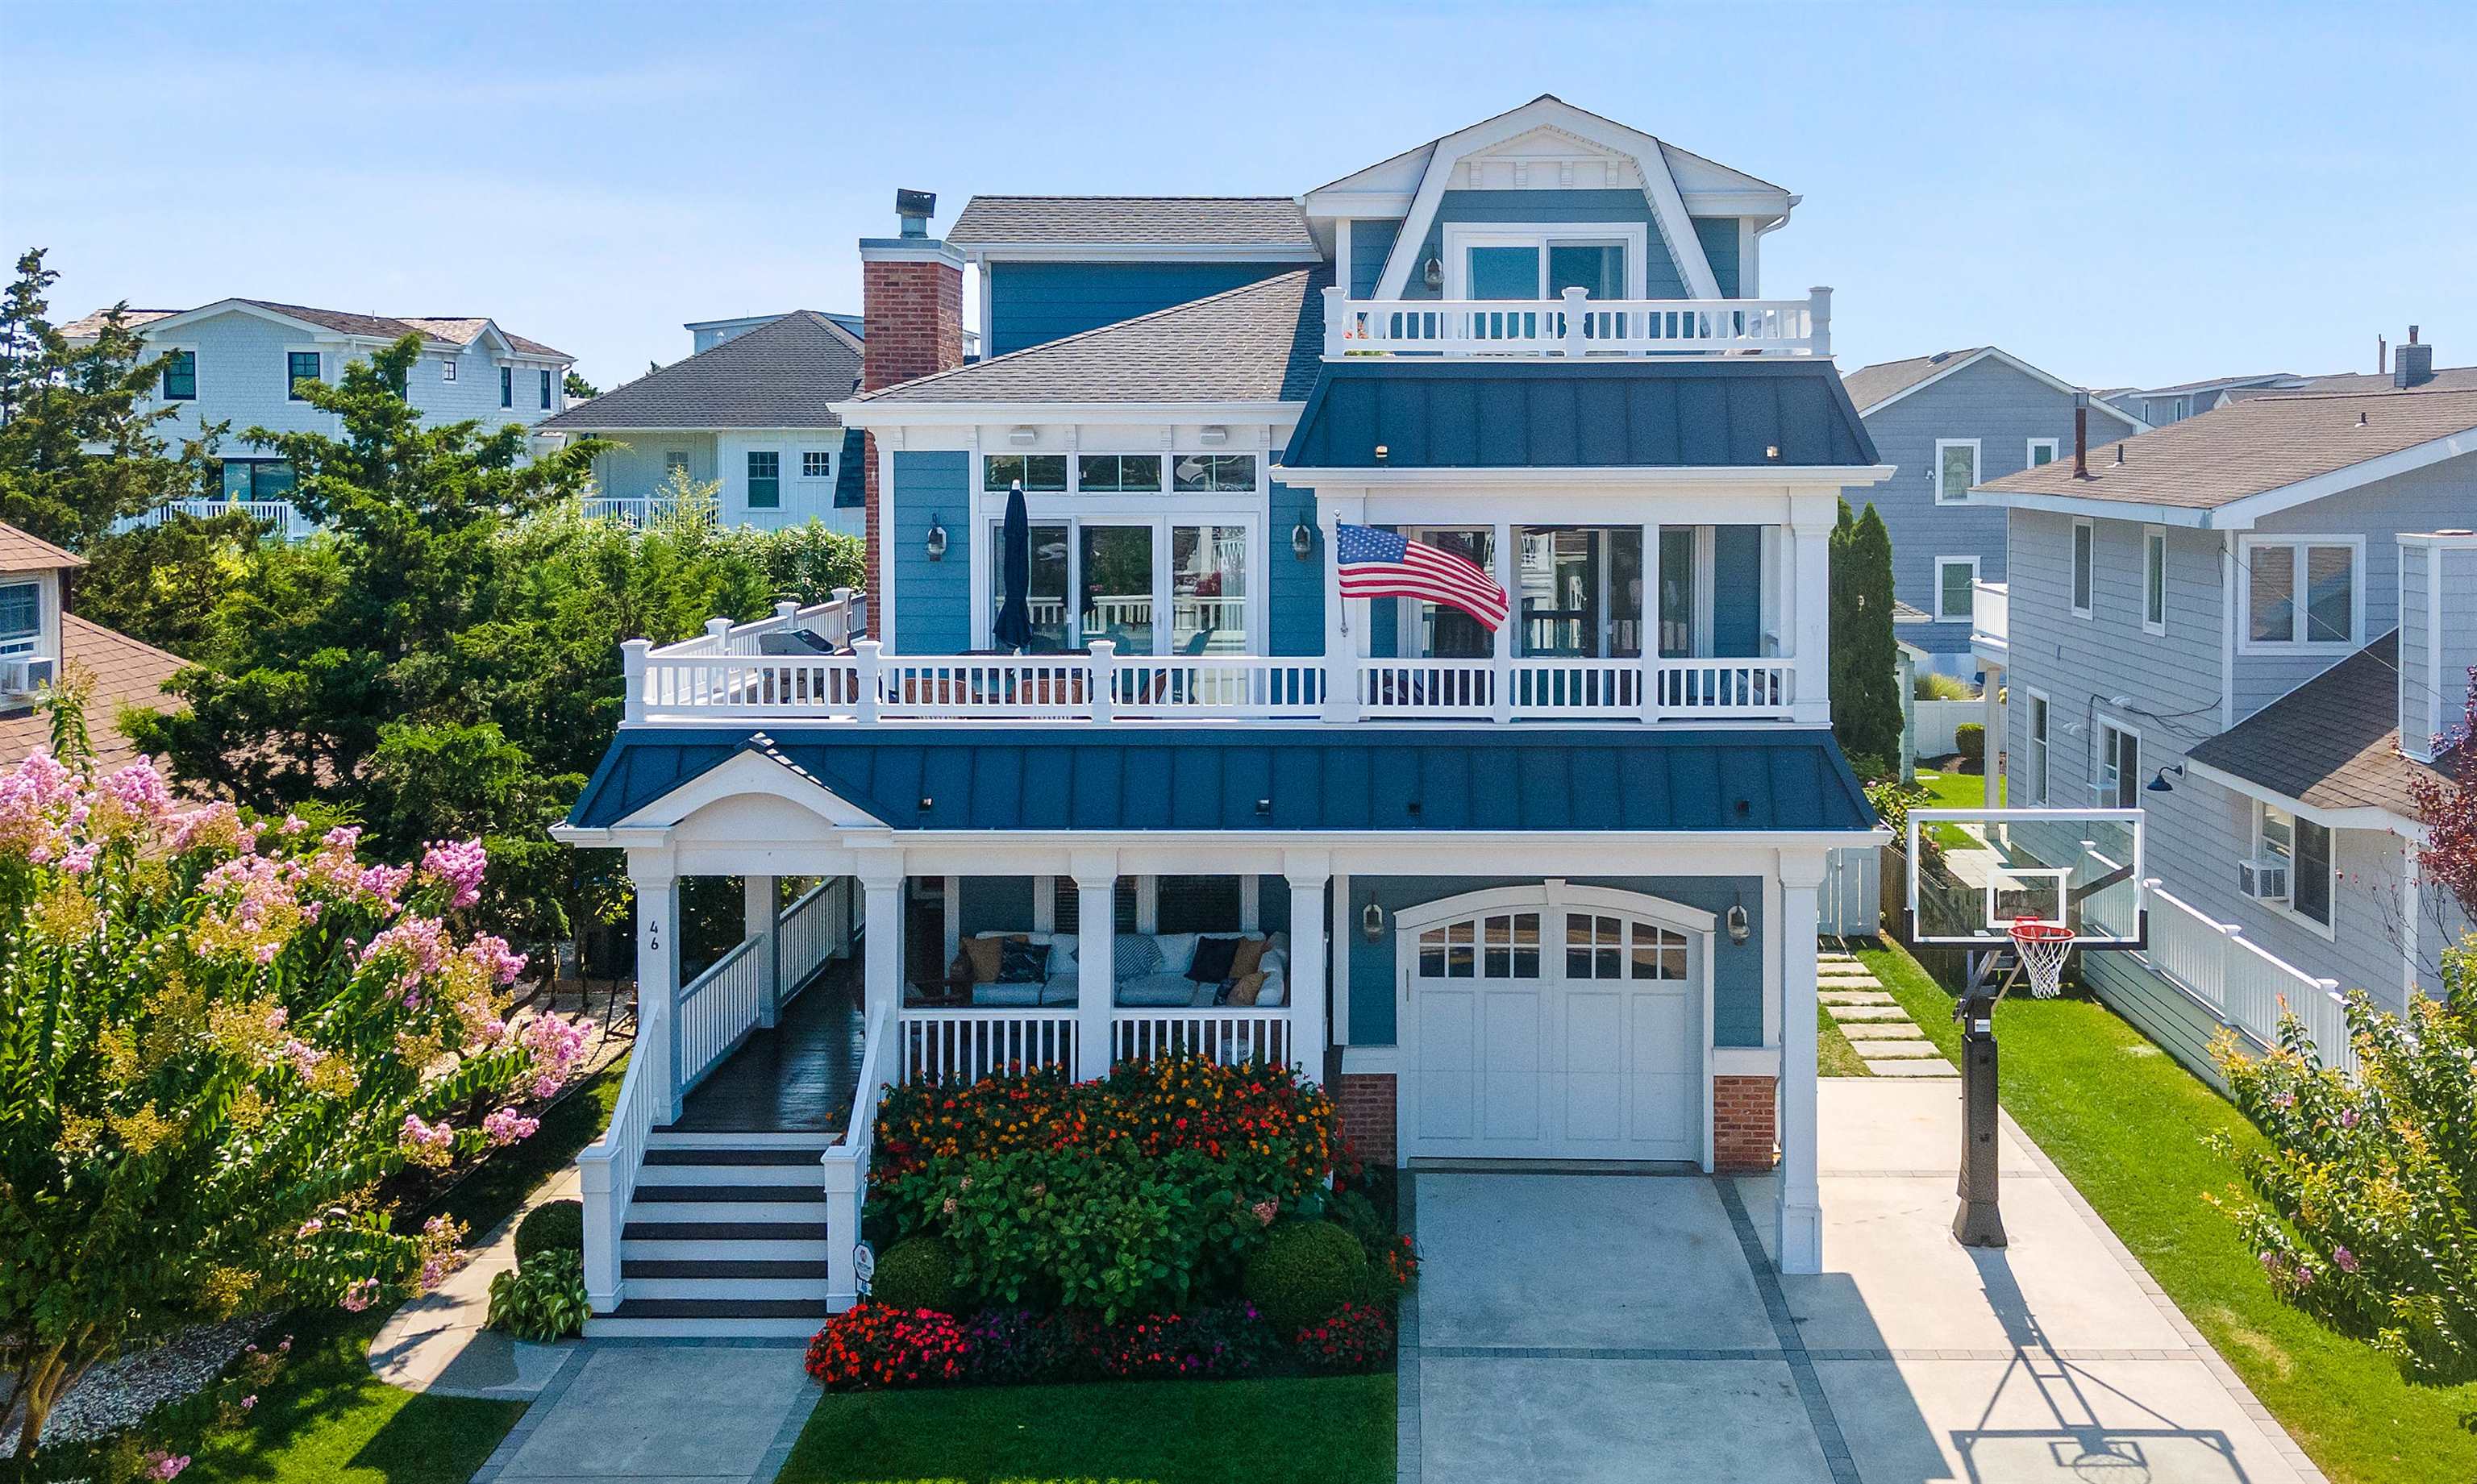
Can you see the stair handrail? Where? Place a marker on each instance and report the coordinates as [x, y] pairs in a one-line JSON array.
[[607, 1168], [845, 1165]]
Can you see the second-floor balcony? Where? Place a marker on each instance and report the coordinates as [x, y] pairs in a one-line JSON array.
[[284, 521], [1576, 325], [1990, 621]]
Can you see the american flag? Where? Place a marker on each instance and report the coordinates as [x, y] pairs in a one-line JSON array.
[[1378, 563]]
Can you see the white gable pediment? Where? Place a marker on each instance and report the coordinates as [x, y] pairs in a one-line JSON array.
[[753, 796], [1547, 158]]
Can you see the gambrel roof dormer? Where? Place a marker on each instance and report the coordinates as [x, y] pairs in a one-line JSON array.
[[1548, 145]]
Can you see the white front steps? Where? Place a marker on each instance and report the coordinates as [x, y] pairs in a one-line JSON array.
[[725, 1235]]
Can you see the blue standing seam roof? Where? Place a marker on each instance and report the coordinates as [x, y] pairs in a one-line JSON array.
[[1272, 779], [1633, 413]]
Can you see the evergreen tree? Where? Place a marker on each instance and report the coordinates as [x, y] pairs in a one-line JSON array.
[[78, 450], [579, 389], [1866, 660]]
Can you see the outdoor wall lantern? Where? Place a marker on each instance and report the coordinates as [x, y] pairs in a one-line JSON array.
[[1371, 922], [2160, 784], [1213, 436], [937, 546], [1436, 274], [1739, 930], [1303, 540], [1023, 436]]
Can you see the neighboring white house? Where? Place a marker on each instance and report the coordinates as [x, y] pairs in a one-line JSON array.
[[241, 362], [750, 412], [41, 639], [2252, 625]]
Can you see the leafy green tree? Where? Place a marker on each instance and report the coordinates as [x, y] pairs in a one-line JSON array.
[[2363, 1200], [578, 388], [78, 448], [162, 584], [1865, 659], [215, 1042]]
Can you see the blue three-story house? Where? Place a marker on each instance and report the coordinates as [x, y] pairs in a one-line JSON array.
[[1545, 890]]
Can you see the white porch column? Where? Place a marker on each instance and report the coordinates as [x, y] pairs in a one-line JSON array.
[[1992, 763], [1340, 649], [1308, 873], [1801, 1199], [658, 977], [1096, 988], [758, 925], [1507, 577], [880, 884], [1810, 605]]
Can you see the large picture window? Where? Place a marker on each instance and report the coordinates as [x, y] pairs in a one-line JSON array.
[[1041, 473], [2301, 592], [1110, 578]]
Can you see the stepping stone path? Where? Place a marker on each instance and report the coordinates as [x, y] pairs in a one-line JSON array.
[[1885, 1038]]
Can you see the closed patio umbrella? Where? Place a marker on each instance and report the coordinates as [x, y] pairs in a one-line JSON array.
[[1014, 629]]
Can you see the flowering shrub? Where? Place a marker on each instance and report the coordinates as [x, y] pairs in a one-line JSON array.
[[1356, 1337], [1227, 1340], [871, 1346], [216, 1040], [1012, 1346]]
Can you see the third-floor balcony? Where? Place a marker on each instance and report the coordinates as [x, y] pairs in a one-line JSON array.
[[1575, 326]]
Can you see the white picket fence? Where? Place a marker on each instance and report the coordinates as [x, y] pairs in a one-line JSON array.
[[965, 1045], [1228, 1036], [2244, 983]]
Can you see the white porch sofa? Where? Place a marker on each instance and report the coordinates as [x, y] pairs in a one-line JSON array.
[[1150, 971]]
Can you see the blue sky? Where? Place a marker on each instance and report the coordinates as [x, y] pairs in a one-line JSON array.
[[2122, 194]]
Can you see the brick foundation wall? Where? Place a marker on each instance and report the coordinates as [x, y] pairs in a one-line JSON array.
[[1367, 1100], [914, 311], [1744, 1123]]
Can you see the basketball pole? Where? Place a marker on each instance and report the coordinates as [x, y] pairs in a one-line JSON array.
[[1979, 1222]]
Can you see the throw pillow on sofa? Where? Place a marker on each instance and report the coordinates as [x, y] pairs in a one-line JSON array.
[[1249, 958], [1213, 961], [985, 952], [1022, 963], [1246, 989], [1133, 955]]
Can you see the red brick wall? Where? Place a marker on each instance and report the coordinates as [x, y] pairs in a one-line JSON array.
[[1745, 1129], [915, 315], [1367, 1100]]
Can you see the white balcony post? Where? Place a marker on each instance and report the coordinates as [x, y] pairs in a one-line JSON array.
[[1307, 876], [1993, 740], [1574, 318], [1818, 320], [1341, 651], [1647, 625], [1104, 664], [1501, 677], [881, 879], [758, 925], [1801, 1197], [718, 629], [1336, 330], [864, 681], [841, 617], [658, 978], [1096, 988], [1810, 605], [633, 653]]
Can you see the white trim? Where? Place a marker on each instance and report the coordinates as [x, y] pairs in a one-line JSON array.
[[2055, 448], [2072, 568], [1942, 616], [2363, 817], [2154, 544], [2287, 907], [2102, 757], [861, 413], [2039, 746], [2247, 644], [1816, 476], [1990, 353], [1935, 471], [1459, 237], [2242, 513], [748, 772], [981, 253]]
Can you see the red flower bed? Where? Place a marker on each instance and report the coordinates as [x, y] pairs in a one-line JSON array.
[[1359, 1337], [869, 1346]]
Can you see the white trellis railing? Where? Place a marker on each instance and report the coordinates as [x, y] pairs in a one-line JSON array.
[[844, 1165], [965, 1045], [1226, 1035], [1574, 324], [2242, 982]]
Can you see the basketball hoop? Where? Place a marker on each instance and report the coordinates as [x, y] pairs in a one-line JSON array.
[[2042, 947]]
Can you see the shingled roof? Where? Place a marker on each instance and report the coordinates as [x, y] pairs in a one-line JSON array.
[[2448, 378], [125, 673], [788, 373], [1152, 221], [1888, 379], [2251, 448], [446, 330], [21, 552], [2332, 743], [1260, 343]]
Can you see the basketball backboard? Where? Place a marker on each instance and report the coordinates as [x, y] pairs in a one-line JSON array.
[[1974, 872]]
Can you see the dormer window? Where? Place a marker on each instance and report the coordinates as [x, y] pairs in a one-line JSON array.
[[1603, 260], [21, 617]]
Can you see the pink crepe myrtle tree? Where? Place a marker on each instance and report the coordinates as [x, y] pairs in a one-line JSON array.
[[217, 1040]]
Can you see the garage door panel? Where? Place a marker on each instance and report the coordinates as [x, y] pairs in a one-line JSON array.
[[1513, 1057], [1448, 1073], [1664, 1072]]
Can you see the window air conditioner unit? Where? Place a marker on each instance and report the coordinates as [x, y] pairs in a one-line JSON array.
[[2265, 881], [23, 675]]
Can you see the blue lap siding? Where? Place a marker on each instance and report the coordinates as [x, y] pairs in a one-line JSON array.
[[933, 605], [1034, 303]]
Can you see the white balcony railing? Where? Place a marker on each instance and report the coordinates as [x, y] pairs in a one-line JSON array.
[[1227, 1035], [638, 511], [1990, 617], [2245, 984], [964, 1044], [1574, 326], [286, 523]]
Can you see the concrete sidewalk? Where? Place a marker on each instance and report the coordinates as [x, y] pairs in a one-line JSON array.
[[436, 1343], [661, 1412]]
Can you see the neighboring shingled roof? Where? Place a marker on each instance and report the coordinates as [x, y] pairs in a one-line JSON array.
[[23, 552], [86, 327], [126, 674], [1260, 343], [785, 374], [2330, 743], [2448, 379], [2247, 448], [1870, 385], [2257, 379], [1152, 221], [447, 329]]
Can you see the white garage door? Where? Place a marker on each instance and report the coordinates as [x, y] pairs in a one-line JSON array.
[[1561, 1030]]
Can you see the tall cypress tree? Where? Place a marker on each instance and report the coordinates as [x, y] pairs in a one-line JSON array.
[[1865, 661]]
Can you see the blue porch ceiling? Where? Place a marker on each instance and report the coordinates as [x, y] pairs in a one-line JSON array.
[[1310, 778], [1635, 413]]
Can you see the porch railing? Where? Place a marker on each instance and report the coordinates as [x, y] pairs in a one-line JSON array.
[[844, 1165], [2244, 983], [607, 1168], [1224, 1035], [289, 524], [1575, 324], [638, 511], [966, 1044]]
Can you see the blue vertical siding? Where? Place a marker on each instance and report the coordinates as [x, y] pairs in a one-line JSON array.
[[1737, 970], [1661, 278], [1034, 303], [933, 600], [1718, 235], [1372, 243], [1294, 588], [1737, 590]]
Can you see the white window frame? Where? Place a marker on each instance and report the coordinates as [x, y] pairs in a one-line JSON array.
[[1459, 238], [2073, 583], [1977, 469], [2055, 448], [826, 454], [2287, 907], [2041, 755], [31, 641], [1943, 615], [678, 458], [2247, 644], [1161, 458], [2154, 577], [2107, 779], [447, 367]]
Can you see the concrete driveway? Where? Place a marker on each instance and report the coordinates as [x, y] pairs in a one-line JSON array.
[[1631, 1327]]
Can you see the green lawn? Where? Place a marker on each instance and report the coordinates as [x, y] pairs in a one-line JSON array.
[[1832, 1053], [1954, 791], [2126, 1124], [1329, 1430]]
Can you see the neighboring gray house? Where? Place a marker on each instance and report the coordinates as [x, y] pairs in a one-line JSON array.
[[1951, 421], [2209, 626], [750, 413], [2411, 369], [2160, 405]]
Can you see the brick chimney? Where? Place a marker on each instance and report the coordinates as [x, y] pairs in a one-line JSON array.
[[911, 302], [2413, 364]]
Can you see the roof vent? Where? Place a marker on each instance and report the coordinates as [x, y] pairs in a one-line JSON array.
[[913, 209], [2411, 363], [2361, 419]]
